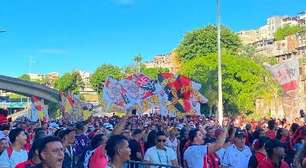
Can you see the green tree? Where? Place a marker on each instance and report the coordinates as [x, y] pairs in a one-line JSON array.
[[43, 81], [250, 52], [247, 50], [243, 81], [129, 70], [101, 73], [287, 30], [137, 60], [153, 72], [202, 42], [25, 77], [262, 59], [70, 81]]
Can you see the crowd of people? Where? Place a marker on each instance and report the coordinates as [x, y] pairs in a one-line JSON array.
[[152, 141]]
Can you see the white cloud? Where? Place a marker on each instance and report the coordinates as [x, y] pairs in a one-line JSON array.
[[52, 51], [124, 2]]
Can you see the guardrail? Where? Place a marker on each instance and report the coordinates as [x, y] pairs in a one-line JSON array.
[[139, 164], [18, 114]]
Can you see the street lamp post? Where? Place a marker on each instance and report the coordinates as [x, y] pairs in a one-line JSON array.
[[220, 104]]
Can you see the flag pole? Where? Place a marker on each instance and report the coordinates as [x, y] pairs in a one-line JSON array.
[[220, 104]]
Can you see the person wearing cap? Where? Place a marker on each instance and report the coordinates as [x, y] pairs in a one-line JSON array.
[[238, 154], [276, 153]]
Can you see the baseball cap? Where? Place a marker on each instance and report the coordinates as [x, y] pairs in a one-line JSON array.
[[108, 126], [239, 133]]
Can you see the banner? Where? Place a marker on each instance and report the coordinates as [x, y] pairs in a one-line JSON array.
[[38, 111], [66, 105], [287, 74], [169, 95]]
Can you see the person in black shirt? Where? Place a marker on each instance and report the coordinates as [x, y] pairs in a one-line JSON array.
[[134, 144]]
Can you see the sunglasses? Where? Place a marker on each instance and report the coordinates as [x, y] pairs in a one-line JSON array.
[[161, 140]]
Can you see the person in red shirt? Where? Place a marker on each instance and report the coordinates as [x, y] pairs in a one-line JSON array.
[[98, 158], [276, 153], [260, 152], [282, 134], [271, 133], [3, 116]]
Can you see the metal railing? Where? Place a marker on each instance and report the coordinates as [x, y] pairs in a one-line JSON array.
[[139, 164]]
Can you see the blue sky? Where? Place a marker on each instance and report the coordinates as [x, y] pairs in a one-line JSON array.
[[64, 35]]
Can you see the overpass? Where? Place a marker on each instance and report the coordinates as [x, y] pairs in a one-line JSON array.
[[28, 88]]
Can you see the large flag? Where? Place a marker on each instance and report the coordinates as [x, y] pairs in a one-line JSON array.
[[66, 104], [183, 93], [38, 111], [287, 74], [173, 93], [77, 108], [140, 85], [197, 98], [113, 93]]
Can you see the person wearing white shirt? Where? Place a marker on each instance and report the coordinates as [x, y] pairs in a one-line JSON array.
[[238, 154], [222, 150], [3, 153], [160, 154], [172, 141], [195, 153], [15, 153]]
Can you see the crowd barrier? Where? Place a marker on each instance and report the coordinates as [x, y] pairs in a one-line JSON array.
[[138, 164]]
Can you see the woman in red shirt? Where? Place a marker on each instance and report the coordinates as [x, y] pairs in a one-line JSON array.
[[260, 152]]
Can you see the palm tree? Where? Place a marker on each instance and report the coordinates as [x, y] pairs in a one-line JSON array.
[[138, 59]]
